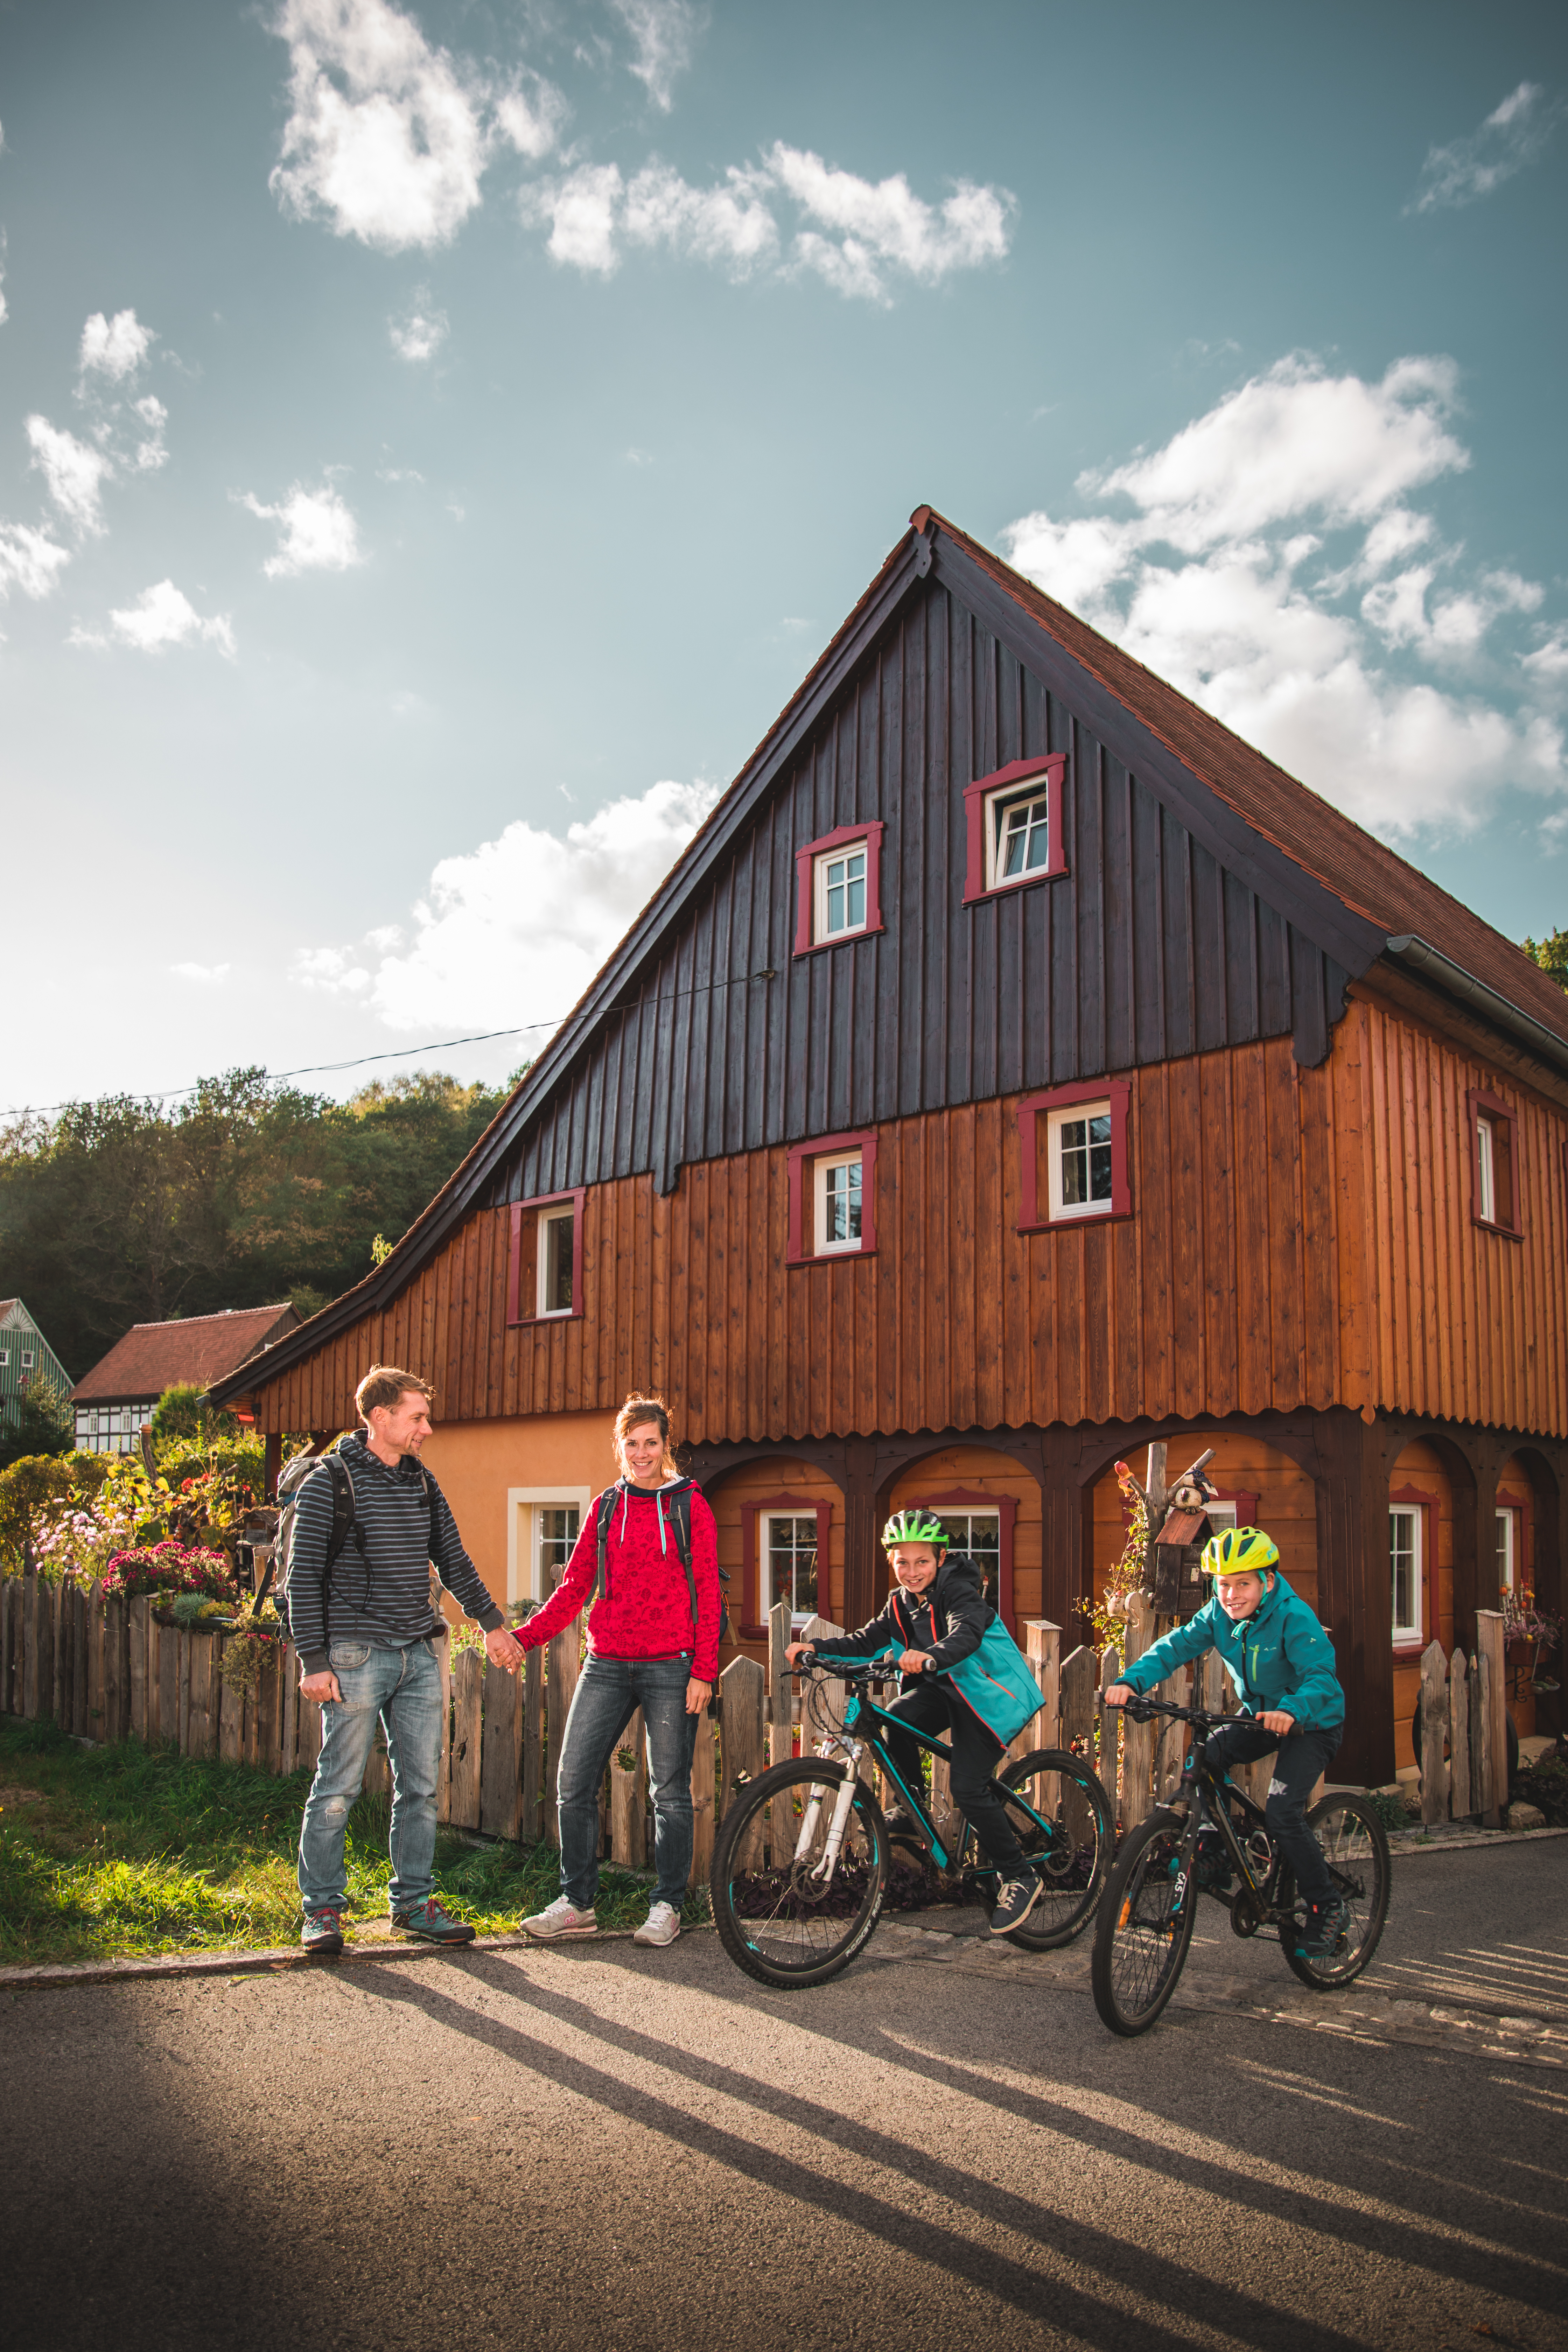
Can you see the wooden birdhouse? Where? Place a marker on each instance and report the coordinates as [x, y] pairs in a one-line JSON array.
[[1179, 1581]]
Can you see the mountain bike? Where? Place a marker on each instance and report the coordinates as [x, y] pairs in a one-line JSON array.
[[802, 1858], [1145, 1924]]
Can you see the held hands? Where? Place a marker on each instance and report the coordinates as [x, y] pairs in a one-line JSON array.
[[504, 1649]]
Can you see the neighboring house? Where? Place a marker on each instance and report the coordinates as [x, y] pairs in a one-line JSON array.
[[1017, 1067], [25, 1354], [114, 1403]]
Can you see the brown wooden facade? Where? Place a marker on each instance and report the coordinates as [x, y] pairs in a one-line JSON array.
[[1296, 1271]]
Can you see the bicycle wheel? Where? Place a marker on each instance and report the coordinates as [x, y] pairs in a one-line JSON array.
[[1355, 1848], [778, 1917], [1144, 1926], [1070, 1856]]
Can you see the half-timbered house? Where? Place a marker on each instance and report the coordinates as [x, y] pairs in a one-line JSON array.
[[1017, 1067]]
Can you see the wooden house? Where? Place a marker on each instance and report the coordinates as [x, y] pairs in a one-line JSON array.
[[114, 1403], [1017, 1067], [25, 1358]]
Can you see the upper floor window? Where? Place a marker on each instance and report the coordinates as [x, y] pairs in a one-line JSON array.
[[1494, 1164], [833, 1198], [1014, 826], [26, 1360], [546, 1279], [1076, 1165], [839, 887]]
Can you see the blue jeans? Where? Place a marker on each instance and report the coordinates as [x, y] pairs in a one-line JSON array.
[[609, 1693], [402, 1687]]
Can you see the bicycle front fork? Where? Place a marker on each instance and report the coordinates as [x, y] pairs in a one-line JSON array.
[[844, 1798]]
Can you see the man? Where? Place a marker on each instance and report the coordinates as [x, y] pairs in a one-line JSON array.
[[366, 1635]]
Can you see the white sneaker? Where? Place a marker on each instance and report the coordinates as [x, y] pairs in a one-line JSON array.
[[560, 1918], [661, 1927]]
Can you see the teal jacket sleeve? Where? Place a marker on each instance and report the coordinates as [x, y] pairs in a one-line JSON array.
[[1314, 1696], [1173, 1649]]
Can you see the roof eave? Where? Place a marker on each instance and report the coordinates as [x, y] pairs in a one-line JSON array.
[[1419, 955]]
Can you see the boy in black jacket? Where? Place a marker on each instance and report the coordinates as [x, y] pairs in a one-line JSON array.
[[937, 1615]]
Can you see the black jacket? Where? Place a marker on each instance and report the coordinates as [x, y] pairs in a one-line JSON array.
[[948, 1618]]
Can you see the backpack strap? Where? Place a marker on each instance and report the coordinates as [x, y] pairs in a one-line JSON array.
[[604, 1513]]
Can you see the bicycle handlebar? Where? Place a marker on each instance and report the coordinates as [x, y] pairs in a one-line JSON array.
[[1141, 1709]]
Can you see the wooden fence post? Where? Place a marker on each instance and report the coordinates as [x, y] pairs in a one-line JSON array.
[[560, 1688], [705, 1771], [1434, 1731], [500, 1761], [269, 1709], [116, 1668], [1080, 1686], [1459, 1735], [468, 1688], [64, 1622], [781, 1685], [534, 1794], [1494, 1717], [230, 1707], [94, 1726], [628, 1798], [139, 1614], [742, 1685], [7, 1583]]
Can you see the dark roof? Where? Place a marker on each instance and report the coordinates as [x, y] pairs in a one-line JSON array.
[[1337, 882], [1362, 871], [198, 1348]]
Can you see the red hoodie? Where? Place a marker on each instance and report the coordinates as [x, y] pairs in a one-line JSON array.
[[645, 1610]]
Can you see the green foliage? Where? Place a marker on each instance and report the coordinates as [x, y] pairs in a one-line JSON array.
[[1551, 954], [180, 1415], [1390, 1811], [24, 1487], [120, 1211], [39, 1420]]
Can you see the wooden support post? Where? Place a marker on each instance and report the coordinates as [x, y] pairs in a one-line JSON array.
[[1434, 1730], [742, 1685], [781, 1685], [199, 1740], [628, 1796], [1080, 1686], [1138, 1740], [1459, 1735], [535, 1795], [500, 1764], [468, 1686], [1494, 1715], [171, 1682]]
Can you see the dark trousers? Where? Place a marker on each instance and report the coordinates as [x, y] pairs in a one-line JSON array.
[[1303, 1755], [976, 1754]]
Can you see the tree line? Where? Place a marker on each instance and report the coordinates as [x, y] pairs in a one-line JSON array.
[[127, 1210]]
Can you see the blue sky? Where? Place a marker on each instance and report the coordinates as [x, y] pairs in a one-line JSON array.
[[436, 440]]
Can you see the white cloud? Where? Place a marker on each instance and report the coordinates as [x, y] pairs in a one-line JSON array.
[[150, 452], [664, 33], [318, 531], [1230, 577], [115, 347], [74, 473], [518, 927], [420, 331], [209, 975], [865, 235], [389, 138], [5, 313], [161, 618], [29, 560], [1513, 134]]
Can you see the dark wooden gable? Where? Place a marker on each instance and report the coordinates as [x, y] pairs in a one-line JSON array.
[[1170, 934]]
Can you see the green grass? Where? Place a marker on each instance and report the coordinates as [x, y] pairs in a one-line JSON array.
[[125, 1852]]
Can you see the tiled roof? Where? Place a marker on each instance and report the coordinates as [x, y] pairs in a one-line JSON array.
[[1355, 865], [199, 1349]]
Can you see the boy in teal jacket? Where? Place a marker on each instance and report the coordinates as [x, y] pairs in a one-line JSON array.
[[1282, 1664]]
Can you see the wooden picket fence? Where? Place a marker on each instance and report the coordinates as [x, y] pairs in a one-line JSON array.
[[1463, 1729], [106, 1670]]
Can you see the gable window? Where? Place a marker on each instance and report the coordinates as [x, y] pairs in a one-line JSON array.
[[544, 1281], [1014, 823], [833, 1198], [839, 887], [1405, 1531], [1494, 1165], [1074, 1142], [27, 1362]]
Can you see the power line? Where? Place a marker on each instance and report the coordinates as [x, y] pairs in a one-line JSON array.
[[406, 1052]]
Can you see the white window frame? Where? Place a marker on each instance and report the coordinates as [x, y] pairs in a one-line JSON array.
[[1508, 1548], [766, 1563], [561, 1213], [969, 1513], [1486, 1169], [524, 1568], [1406, 1635], [820, 1169], [1219, 1516], [996, 804], [28, 1360], [1072, 1114], [821, 863]]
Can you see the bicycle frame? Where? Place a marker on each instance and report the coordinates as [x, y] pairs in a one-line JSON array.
[[1211, 1805]]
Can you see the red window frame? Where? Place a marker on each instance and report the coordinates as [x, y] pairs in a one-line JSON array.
[[826, 1147], [1033, 1215], [753, 1626], [1491, 1106], [1416, 1498], [806, 859], [965, 1498], [519, 1209], [1053, 768]]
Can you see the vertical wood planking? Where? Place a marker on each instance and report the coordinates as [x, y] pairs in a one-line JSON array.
[[742, 1686], [467, 1696], [141, 1620], [1459, 1735], [500, 1777], [534, 1791]]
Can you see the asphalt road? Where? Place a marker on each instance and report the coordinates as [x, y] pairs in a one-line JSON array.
[[607, 2147]]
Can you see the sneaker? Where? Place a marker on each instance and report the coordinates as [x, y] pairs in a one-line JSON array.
[[1014, 1901], [1325, 1931], [322, 1932], [560, 1918], [432, 1925], [661, 1927]]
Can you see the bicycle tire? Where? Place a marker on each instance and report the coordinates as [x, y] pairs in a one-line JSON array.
[[770, 1920], [1144, 1927], [1073, 1859], [1355, 1847]]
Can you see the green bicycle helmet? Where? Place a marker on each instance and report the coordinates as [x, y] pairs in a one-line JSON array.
[[1236, 1551], [916, 1525]]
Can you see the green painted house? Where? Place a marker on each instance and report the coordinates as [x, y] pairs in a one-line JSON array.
[[24, 1356]]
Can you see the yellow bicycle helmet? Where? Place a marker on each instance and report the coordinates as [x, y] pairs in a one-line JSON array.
[[1238, 1551]]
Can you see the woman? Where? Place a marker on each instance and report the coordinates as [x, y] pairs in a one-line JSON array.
[[649, 1550]]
